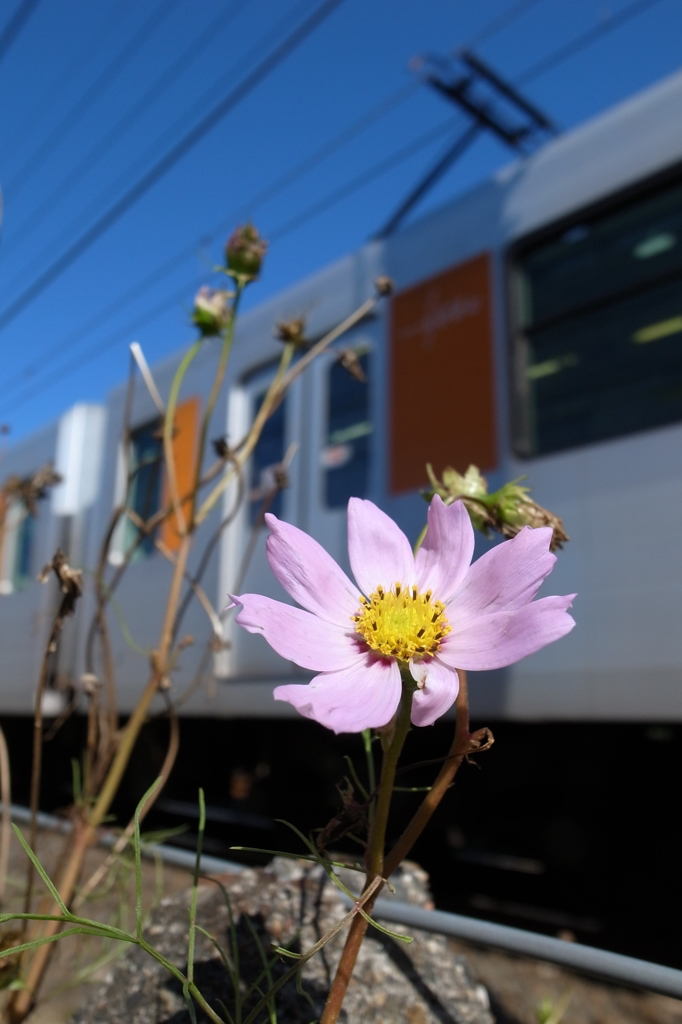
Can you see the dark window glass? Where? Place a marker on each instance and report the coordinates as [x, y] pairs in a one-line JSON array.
[[346, 454], [24, 551], [266, 460], [600, 328], [145, 491]]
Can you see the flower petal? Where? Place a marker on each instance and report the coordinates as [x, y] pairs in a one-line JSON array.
[[364, 696], [439, 686], [306, 639], [309, 574], [493, 641], [445, 555], [509, 575], [380, 553]]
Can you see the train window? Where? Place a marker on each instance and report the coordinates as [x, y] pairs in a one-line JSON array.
[[599, 327], [346, 454], [18, 529], [146, 462], [267, 458]]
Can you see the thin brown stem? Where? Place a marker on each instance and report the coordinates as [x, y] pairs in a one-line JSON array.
[[6, 825], [462, 744], [123, 839], [86, 832], [275, 395], [70, 582], [375, 856]]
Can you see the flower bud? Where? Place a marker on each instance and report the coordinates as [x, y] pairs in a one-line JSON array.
[[350, 361], [517, 509], [507, 510], [211, 312], [244, 253], [292, 332], [384, 285]]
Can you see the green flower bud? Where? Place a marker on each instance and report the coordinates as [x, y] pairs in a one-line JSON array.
[[212, 312], [506, 511], [244, 253]]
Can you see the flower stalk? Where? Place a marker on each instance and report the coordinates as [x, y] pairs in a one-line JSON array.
[[375, 851]]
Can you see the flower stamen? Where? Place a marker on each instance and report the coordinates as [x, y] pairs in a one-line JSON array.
[[401, 622]]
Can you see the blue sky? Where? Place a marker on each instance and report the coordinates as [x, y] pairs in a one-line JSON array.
[[94, 94]]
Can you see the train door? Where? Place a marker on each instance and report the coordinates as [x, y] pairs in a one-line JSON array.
[[271, 483]]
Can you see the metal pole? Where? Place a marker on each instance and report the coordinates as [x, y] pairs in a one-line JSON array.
[[611, 967], [448, 158]]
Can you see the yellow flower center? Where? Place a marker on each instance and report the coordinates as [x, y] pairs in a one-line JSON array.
[[402, 623]]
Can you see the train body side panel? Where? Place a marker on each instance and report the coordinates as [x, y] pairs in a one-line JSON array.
[[26, 606], [618, 497]]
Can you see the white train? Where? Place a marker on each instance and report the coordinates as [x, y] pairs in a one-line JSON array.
[[536, 330]]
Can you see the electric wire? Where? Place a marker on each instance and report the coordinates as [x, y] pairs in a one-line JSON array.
[[130, 116], [109, 75], [547, 63], [166, 162], [277, 234], [574, 46], [101, 34], [497, 24], [364, 178], [245, 209], [141, 163], [270, 191], [15, 24]]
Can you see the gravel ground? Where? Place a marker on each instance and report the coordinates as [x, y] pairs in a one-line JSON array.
[[518, 987], [292, 903]]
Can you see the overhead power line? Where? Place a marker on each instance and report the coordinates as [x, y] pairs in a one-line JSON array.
[[169, 160], [37, 160], [497, 24], [15, 24], [160, 144], [309, 213], [86, 54], [327, 149], [574, 46], [37, 217], [558, 56]]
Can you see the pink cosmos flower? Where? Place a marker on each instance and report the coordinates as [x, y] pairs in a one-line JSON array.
[[435, 612]]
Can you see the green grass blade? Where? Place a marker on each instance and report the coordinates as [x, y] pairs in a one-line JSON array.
[[195, 887], [317, 859], [190, 1003], [266, 967], [354, 776], [138, 857], [387, 931], [41, 870]]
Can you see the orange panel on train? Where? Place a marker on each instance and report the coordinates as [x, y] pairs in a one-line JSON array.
[[442, 407], [185, 440]]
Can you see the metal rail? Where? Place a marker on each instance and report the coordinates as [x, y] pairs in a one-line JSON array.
[[612, 967]]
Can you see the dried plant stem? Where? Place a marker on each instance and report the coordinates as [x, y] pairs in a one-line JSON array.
[[6, 825], [123, 839], [463, 743], [70, 582], [275, 395], [375, 856], [86, 832]]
